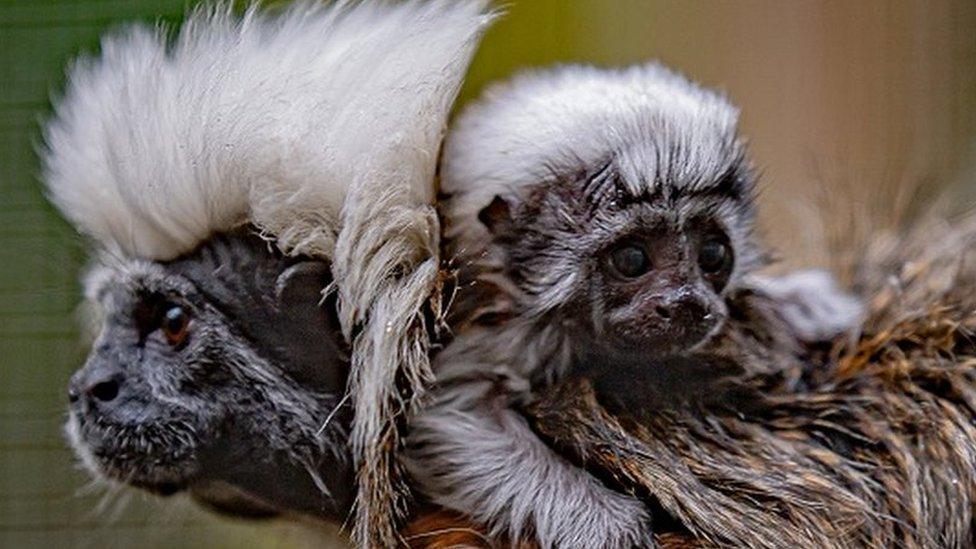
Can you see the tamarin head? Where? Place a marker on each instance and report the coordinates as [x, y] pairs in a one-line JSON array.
[[216, 373], [616, 203]]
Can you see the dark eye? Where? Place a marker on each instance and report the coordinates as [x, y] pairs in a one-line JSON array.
[[175, 324], [630, 260], [714, 257]]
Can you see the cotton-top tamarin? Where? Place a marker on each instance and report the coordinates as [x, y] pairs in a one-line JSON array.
[[258, 193], [606, 218]]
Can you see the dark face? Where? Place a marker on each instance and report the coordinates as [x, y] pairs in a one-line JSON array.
[[215, 373], [643, 275], [661, 287]]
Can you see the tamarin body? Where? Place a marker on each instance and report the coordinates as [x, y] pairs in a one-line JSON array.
[[606, 217]]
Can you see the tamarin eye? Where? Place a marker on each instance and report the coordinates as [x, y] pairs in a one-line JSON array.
[[629, 260], [714, 257], [175, 324]]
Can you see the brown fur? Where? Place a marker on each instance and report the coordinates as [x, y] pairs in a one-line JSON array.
[[876, 446], [869, 443]]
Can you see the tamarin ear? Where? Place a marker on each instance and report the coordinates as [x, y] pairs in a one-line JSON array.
[[497, 215], [302, 283]]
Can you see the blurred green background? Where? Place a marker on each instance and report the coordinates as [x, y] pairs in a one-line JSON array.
[[868, 92]]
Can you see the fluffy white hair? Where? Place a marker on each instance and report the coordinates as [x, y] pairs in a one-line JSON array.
[[268, 119], [320, 125], [557, 121]]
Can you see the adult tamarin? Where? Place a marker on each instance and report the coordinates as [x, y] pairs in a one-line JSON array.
[[606, 217], [227, 178]]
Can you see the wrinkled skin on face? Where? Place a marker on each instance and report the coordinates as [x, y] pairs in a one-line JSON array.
[[220, 373]]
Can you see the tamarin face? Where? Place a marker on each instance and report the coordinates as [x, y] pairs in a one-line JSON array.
[[215, 373], [618, 201], [628, 272]]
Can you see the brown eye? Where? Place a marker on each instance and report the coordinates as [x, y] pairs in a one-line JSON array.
[[629, 260], [714, 257], [175, 324]]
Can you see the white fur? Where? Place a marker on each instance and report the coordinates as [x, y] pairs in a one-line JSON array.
[[268, 119], [572, 117], [321, 125], [532, 492], [469, 450], [812, 304]]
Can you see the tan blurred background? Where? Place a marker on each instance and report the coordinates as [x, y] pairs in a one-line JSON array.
[[866, 93]]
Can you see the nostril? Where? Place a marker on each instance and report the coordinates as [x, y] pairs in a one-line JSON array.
[[663, 312], [105, 391], [72, 395]]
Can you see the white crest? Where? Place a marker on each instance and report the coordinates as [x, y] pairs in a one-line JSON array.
[[264, 118], [556, 121]]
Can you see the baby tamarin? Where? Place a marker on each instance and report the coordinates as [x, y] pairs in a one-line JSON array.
[[607, 216]]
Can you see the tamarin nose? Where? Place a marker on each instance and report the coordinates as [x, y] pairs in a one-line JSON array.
[[105, 391], [100, 387], [683, 308]]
